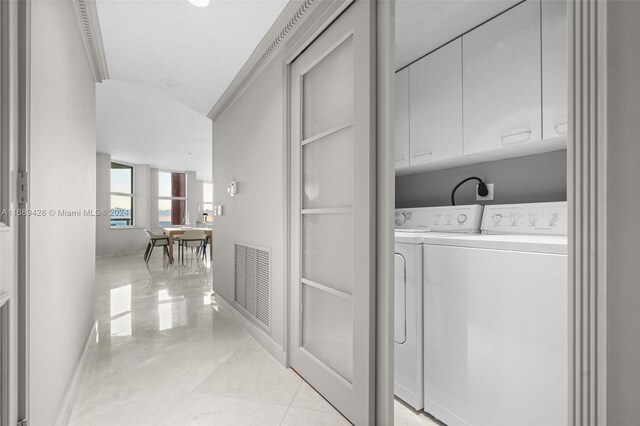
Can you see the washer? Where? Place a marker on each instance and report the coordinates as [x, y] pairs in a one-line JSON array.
[[495, 323], [412, 226]]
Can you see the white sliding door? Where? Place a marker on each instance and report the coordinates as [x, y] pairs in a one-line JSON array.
[[333, 214]]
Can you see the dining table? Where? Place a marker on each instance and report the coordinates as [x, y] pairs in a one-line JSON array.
[[174, 231]]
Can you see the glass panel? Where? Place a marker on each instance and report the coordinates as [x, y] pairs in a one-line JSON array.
[[121, 210], [328, 91], [171, 212], [164, 184], [207, 192], [207, 212], [121, 178], [172, 184], [327, 329], [328, 171], [164, 212], [327, 244]]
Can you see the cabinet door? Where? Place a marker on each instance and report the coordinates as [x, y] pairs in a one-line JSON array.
[[435, 106], [554, 69], [502, 81], [402, 118]]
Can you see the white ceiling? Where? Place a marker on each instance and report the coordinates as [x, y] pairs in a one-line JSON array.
[[169, 62], [143, 125], [424, 25], [159, 42]]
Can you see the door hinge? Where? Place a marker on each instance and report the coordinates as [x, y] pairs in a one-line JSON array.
[[23, 187], [23, 422]]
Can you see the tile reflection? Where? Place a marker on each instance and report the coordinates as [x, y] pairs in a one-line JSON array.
[[137, 300], [121, 311], [172, 311]]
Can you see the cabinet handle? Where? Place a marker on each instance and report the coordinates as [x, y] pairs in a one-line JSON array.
[[561, 128], [422, 154], [399, 159], [516, 137]]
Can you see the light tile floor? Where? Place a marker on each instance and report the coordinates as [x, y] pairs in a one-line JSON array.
[[168, 353]]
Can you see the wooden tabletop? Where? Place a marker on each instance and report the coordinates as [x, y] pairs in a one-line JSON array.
[[172, 231]]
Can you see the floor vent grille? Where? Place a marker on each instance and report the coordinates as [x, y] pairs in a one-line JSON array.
[[253, 282]]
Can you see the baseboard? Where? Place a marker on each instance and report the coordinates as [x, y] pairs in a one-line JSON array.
[[69, 399], [257, 332]]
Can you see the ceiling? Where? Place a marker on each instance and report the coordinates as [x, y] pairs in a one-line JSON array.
[[169, 57], [142, 125], [424, 25]]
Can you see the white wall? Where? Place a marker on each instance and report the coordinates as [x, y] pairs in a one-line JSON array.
[[194, 197], [251, 155], [62, 176], [123, 240], [532, 179]]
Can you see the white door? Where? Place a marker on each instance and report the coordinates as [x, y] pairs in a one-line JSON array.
[[333, 214], [402, 118], [501, 80], [554, 69], [435, 84]]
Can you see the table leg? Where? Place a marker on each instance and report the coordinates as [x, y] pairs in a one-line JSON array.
[[170, 247], [210, 248]]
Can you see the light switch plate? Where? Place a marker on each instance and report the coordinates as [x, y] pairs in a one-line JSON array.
[[489, 196]]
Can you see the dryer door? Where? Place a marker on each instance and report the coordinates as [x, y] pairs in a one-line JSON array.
[[400, 312]]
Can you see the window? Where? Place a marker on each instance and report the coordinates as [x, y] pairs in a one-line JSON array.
[[207, 201], [172, 198], [121, 195]]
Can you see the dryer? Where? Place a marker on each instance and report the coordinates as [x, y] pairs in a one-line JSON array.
[[411, 226]]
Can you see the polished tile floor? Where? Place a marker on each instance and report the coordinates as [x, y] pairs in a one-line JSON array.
[[168, 353]]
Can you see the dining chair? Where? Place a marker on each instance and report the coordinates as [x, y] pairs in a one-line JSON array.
[[202, 251], [191, 239], [156, 240]]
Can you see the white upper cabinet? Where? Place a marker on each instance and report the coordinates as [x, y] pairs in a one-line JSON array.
[[554, 69], [502, 81], [435, 106], [402, 118]]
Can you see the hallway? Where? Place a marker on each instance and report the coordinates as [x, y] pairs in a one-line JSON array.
[[168, 353]]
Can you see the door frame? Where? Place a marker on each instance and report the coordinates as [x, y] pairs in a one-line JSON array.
[[23, 148], [587, 146]]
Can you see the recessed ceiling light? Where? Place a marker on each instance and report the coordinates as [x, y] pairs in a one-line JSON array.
[[199, 3], [167, 83]]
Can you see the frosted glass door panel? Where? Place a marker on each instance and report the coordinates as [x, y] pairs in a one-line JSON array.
[[327, 250], [328, 171], [328, 92], [327, 329]]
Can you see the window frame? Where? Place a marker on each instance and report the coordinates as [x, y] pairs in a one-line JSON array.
[[171, 198], [123, 194]]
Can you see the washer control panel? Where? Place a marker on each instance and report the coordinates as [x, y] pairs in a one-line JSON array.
[[534, 219], [440, 219]]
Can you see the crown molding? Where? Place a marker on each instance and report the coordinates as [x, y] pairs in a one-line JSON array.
[[289, 21], [87, 16]]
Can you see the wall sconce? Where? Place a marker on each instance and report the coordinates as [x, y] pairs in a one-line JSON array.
[[232, 189]]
